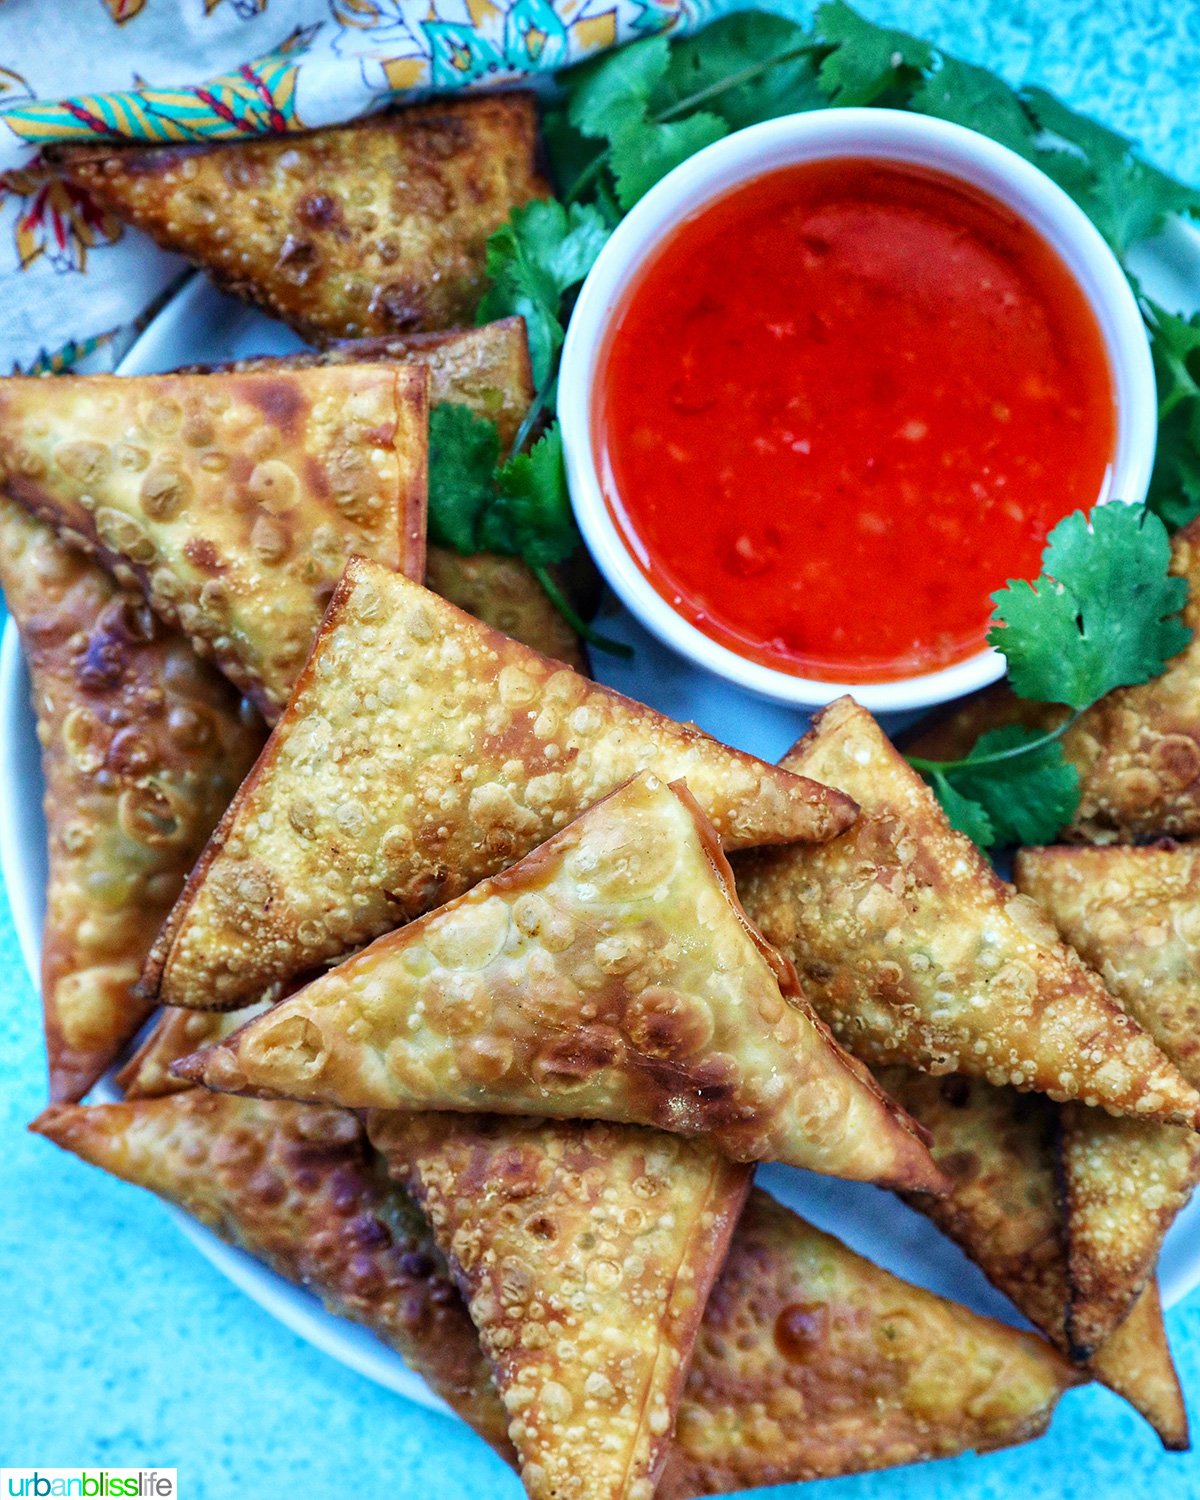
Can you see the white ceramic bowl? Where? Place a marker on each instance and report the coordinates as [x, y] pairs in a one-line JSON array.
[[885, 135]]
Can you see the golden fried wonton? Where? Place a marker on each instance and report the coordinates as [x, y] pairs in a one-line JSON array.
[[421, 752], [609, 975], [586, 1253], [233, 501], [487, 370], [1134, 914], [913, 950], [1137, 751], [812, 1362], [298, 1188], [377, 226], [142, 747], [999, 1149]]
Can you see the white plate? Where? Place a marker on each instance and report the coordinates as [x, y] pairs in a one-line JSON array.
[[202, 325]]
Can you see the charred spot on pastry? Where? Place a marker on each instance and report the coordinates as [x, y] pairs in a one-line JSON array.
[[319, 210]]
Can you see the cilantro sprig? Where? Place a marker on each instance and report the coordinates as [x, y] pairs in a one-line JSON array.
[[1104, 613], [519, 507]]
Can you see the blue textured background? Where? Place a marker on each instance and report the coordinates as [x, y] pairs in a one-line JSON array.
[[119, 1345]]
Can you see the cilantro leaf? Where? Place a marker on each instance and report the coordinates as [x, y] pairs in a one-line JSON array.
[[971, 96], [1175, 483], [1026, 798], [1175, 344], [616, 94], [966, 815], [773, 57], [532, 515], [1103, 614], [541, 253], [571, 153], [868, 62], [463, 452], [1126, 198], [642, 155]]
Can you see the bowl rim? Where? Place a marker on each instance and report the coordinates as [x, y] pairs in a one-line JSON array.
[[889, 135]]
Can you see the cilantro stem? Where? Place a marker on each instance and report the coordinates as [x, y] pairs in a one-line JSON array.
[[734, 80], [574, 620], [529, 421], [972, 763], [748, 74]]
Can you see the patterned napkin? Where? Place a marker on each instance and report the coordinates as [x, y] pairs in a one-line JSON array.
[[78, 287]]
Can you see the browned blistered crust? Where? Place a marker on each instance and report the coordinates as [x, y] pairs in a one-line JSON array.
[[608, 975], [1124, 1181], [913, 951], [1137, 750], [586, 1253], [298, 1188], [1134, 915], [999, 1149], [379, 226], [813, 1363], [231, 501], [423, 751], [486, 369], [142, 747]]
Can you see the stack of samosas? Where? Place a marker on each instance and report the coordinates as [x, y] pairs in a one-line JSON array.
[[482, 987]]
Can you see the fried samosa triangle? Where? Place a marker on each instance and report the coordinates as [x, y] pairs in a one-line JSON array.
[[298, 1188], [142, 747], [231, 501], [373, 227], [1137, 751], [609, 975], [421, 753], [999, 1149], [586, 1253], [812, 1362], [1134, 914], [913, 950], [487, 370]]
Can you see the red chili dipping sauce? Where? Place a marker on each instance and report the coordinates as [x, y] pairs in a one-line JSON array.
[[843, 404]]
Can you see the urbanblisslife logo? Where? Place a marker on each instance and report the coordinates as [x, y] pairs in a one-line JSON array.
[[90, 1484]]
